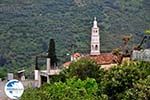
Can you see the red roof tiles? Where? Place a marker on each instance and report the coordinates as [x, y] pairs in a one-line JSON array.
[[106, 58], [66, 64], [76, 55]]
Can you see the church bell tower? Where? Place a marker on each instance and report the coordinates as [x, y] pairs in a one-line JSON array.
[[95, 39]]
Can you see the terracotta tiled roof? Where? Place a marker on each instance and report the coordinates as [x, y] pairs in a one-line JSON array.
[[66, 64], [106, 58], [76, 55]]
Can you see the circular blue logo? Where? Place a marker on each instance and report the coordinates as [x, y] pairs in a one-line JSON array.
[[14, 89]]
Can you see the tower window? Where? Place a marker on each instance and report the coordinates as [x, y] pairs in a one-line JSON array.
[[92, 47], [96, 47]]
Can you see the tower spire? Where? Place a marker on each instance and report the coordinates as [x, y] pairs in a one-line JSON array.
[[95, 23], [95, 42]]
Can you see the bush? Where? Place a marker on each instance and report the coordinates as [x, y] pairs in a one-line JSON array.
[[120, 78], [140, 90], [3, 73], [84, 68], [70, 90]]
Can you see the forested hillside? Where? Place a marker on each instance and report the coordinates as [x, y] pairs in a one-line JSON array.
[[26, 26]]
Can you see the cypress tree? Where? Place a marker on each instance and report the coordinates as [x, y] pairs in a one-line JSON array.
[[36, 63], [52, 53]]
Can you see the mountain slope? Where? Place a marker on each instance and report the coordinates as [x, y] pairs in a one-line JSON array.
[[27, 25]]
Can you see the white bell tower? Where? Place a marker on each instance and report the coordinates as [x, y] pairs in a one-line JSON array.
[[95, 39]]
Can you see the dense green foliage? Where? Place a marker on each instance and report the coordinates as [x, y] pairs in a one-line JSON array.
[[82, 69], [122, 82], [3, 73], [70, 90], [140, 91], [27, 25], [121, 78]]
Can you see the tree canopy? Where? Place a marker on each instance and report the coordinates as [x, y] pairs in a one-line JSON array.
[[84, 82], [52, 53]]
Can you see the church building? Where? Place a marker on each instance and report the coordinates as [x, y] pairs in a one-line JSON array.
[[106, 60]]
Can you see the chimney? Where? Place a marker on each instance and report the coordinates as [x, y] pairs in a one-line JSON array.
[[48, 65], [36, 74], [72, 57]]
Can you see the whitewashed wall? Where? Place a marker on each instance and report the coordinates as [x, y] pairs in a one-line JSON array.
[[142, 55]]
